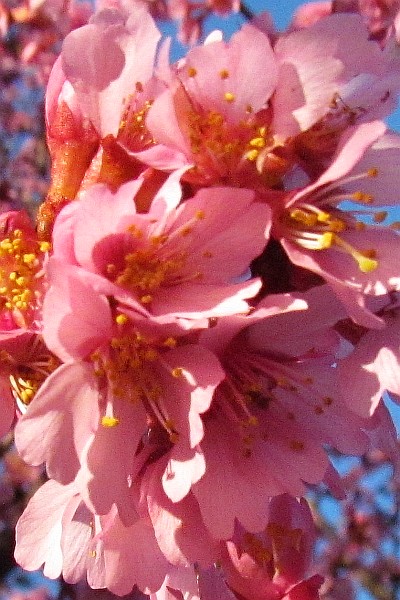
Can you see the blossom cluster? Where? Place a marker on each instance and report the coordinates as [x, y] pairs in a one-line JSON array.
[[208, 304]]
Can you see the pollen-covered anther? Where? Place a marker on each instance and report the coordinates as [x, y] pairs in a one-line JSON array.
[[252, 155], [177, 372], [192, 72], [257, 142], [170, 342], [380, 216], [121, 319], [362, 197], [365, 259], [224, 74], [373, 172], [108, 421], [229, 97]]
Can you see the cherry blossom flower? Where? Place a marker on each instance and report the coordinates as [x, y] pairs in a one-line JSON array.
[[119, 351], [273, 564], [24, 360], [179, 261], [57, 530], [317, 234], [309, 92], [209, 112], [273, 415]]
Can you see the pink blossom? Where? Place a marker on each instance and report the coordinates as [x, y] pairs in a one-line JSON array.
[[271, 418], [58, 531], [172, 262], [356, 259], [328, 73], [124, 370], [105, 80], [208, 115], [373, 366], [274, 563], [24, 361], [379, 15]]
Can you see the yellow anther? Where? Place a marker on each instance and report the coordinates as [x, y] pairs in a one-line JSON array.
[[323, 217], [379, 217], [110, 269], [21, 281], [170, 342], [253, 421], [92, 553], [249, 109], [229, 97], [146, 299], [252, 155], [372, 172], [304, 217], [258, 142], [200, 215], [44, 246], [360, 226], [6, 244], [177, 372], [121, 319], [192, 72], [174, 437], [366, 265], [30, 259], [325, 241], [12, 276], [362, 197], [109, 421], [224, 74]]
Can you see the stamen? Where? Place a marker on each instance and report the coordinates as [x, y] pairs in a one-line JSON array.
[[109, 421], [229, 97], [366, 262]]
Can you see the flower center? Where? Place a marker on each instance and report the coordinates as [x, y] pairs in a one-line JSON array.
[[160, 262], [20, 269], [133, 366], [26, 375], [315, 229]]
